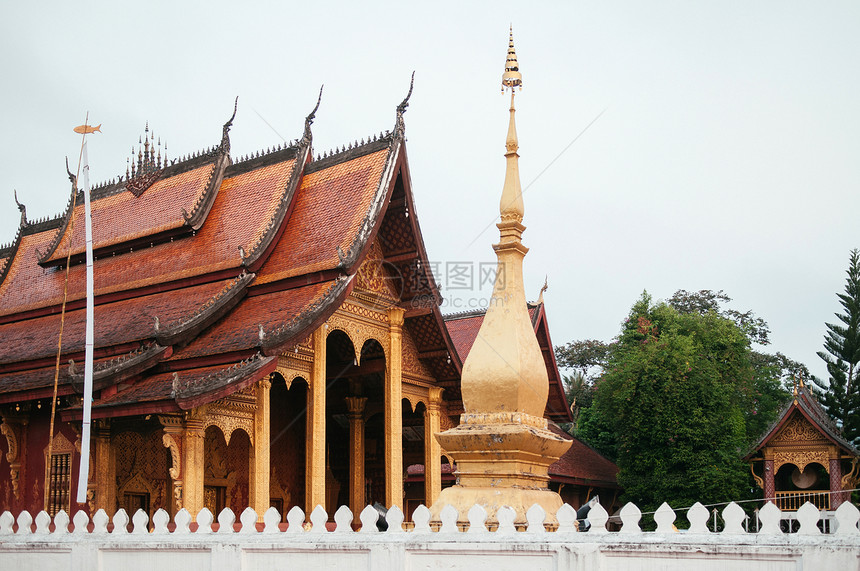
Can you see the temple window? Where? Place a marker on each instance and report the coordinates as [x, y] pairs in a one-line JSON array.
[[60, 483]]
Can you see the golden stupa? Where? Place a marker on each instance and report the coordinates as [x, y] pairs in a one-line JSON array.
[[502, 448]]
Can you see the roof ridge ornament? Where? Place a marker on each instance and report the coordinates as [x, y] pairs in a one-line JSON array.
[[147, 170], [543, 289], [21, 208], [55, 242], [225, 132], [72, 177], [400, 124], [307, 136]]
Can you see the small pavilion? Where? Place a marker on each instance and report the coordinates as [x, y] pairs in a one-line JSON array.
[[804, 457]]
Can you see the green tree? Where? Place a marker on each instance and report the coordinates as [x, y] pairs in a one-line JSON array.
[[578, 391], [587, 357], [679, 396], [676, 404], [841, 395], [706, 301]]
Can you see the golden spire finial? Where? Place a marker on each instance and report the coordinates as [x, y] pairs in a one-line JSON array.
[[512, 77], [511, 206]]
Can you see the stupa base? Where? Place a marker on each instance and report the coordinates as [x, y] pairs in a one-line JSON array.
[[491, 499]]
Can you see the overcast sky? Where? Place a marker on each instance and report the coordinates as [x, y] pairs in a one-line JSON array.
[[726, 155]]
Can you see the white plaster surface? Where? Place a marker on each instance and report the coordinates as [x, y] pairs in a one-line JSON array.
[[151, 546]]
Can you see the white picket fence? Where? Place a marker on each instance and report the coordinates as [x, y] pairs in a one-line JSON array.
[[39, 543]]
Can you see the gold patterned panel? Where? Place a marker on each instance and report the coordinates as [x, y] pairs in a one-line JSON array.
[[233, 412], [411, 364], [758, 481], [797, 430], [11, 435], [171, 445], [373, 278], [801, 458], [849, 480], [11, 441], [229, 420], [415, 394], [356, 322], [142, 478]]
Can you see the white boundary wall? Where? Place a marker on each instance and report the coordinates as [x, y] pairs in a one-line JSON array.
[[43, 545]]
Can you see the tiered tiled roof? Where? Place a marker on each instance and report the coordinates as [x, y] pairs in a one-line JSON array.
[[206, 270], [464, 327]]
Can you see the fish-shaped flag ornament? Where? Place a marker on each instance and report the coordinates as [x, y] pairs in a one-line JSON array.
[[86, 129]]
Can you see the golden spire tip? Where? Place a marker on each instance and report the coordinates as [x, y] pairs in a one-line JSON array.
[[512, 77]]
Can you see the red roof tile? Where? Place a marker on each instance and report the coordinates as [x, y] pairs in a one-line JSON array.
[[238, 217], [32, 379], [330, 206], [583, 464], [240, 331], [156, 210], [38, 378], [463, 332], [115, 323]]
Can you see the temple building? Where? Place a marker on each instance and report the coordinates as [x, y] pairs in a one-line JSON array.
[[267, 333], [803, 457]]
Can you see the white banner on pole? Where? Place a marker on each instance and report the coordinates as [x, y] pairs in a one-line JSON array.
[[83, 476]]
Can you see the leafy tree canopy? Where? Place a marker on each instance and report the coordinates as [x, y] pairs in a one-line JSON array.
[[680, 398], [706, 301]]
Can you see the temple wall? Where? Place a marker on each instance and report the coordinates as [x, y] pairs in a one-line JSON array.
[[32, 440], [27, 544]]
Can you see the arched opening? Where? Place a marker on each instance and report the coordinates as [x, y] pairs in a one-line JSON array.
[[414, 469], [369, 383], [225, 476], [795, 486], [341, 365], [288, 408]]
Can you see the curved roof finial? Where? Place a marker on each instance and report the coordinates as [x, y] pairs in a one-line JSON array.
[[72, 178], [400, 126], [309, 120], [401, 109], [225, 133], [21, 208], [543, 289]]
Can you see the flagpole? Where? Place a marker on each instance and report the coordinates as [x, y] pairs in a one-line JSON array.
[[83, 472], [49, 457]]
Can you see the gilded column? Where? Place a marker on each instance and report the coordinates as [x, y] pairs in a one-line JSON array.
[[432, 449], [394, 412], [260, 468], [105, 478], [194, 465], [315, 427], [356, 405]]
